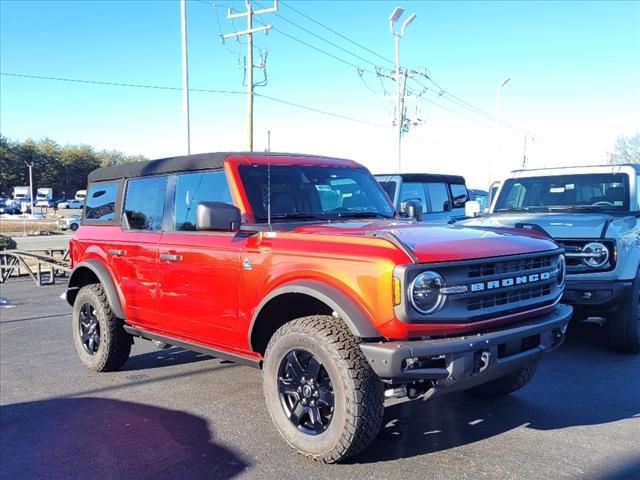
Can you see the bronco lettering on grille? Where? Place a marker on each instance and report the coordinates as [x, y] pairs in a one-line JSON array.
[[509, 282]]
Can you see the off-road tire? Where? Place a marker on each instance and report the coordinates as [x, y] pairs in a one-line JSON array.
[[358, 392], [115, 343], [505, 385], [624, 325]]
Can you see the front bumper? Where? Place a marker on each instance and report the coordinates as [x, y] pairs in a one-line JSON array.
[[462, 362], [596, 296]]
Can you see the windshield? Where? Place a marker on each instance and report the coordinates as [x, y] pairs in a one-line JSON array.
[[314, 192], [565, 192]]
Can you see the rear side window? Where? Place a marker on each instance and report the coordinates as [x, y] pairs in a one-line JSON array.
[[144, 203], [193, 188], [101, 202], [438, 193]]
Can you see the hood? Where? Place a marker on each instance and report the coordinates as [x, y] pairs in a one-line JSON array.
[[561, 225], [439, 243]]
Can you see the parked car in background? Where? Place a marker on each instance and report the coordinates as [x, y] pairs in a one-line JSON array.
[[71, 204], [298, 265], [71, 222], [44, 197], [594, 213], [8, 209], [480, 196], [81, 195], [441, 197]]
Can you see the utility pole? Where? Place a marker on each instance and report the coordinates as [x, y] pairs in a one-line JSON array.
[[400, 77], [249, 13], [498, 125], [185, 77]]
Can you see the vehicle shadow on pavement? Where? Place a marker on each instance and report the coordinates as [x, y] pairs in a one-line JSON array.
[[104, 438], [580, 384], [163, 358]]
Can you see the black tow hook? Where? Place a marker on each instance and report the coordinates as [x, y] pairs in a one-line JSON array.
[[482, 361]]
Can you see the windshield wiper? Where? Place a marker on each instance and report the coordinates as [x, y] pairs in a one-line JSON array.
[[362, 215], [520, 209], [297, 216], [586, 208]]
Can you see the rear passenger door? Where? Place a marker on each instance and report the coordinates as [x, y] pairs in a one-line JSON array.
[[199, 271], [134, 255], [439, 200]]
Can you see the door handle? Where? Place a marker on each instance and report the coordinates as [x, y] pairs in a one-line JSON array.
[[116, 252], [169, 257]]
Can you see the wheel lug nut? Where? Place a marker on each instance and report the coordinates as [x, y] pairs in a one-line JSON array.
[[313, 403], [299, 389]]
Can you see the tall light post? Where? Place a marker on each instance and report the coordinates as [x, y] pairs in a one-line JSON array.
[[185, 77], [30, 165], [399, 75], [498, 124]]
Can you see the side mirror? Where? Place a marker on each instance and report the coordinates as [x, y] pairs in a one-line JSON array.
[[413, 209], [460, 201], [472, 208], [217, 216]]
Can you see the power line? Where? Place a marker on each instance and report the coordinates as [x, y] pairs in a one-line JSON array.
[[201, 90], [118, 84], [321, 38], [324, 112], [344, 37]]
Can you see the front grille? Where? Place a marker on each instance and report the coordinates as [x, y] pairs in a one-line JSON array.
[[519, 266], [483, 289], [508, 297]]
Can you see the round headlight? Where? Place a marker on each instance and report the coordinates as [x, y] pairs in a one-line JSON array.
[[561, 270], [425, 294], [596, 255]]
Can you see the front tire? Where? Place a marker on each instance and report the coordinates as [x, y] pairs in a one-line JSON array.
[[624, 325], [322, 395], [505, 385], [99, 336]]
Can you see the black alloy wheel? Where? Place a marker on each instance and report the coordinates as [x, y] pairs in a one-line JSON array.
[[306, 393], [89, 329]]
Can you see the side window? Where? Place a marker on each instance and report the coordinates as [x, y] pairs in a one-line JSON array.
[[413, 191], [193, 188], [389, 188], [144, 203], [438, 193], [101, 202], [459, 194]]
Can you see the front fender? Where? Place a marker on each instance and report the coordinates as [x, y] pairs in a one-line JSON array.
[[356, 319]]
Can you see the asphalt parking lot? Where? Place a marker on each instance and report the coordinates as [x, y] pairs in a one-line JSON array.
[[173, 414]]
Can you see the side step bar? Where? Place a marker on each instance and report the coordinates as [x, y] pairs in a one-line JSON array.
[[232, 357]]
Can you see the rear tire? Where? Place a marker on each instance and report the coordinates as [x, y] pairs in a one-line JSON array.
[[505, 385], [99, 336], [317, 359], [624, 325], [74, 227]]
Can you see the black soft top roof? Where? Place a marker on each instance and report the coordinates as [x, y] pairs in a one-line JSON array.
[[185, 163], [424, 177], [202, 161]]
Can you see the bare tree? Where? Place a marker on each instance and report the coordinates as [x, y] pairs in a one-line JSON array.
[[626, 150]]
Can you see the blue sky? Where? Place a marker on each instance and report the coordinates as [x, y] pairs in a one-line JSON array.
[[574, 69]]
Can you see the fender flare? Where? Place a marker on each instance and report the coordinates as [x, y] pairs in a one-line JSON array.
[[104, 276], [356, 319]]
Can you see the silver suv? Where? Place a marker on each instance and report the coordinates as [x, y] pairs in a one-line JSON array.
[[594, 213]]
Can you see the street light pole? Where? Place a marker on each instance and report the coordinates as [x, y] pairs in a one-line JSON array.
[[498, 123], [30, 165], [400, 76], [185, 77]]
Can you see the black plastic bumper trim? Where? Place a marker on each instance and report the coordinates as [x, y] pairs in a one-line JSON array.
[[388, 359], [605, 294]]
